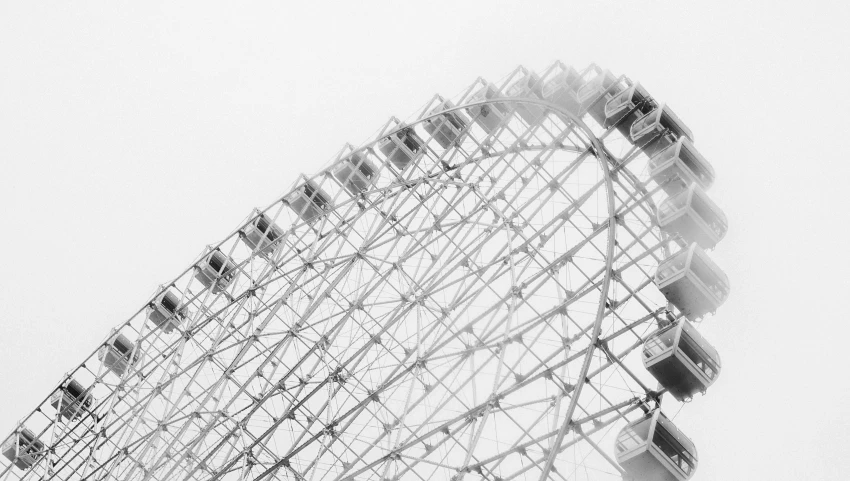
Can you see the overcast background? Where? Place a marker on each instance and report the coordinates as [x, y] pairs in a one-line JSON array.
[[134, 134]]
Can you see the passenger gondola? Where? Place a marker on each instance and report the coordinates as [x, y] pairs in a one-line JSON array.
[[116, 354], [681, 360], [594, 95], [658, 129], [692, 282], [626, 107], [692, 215], [561, 90], [488, 116], [71, 399], [528, 86], [446, 128], [165, 311], [653, 449], [355, 173], [680, 165], [261, 233], [23, 449], [309, 202], [215, 271], [401, 147]]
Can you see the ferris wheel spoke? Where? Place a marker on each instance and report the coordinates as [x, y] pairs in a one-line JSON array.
[[276, 424], [216, 386], [452, 396], [589, 237], [478, 409]]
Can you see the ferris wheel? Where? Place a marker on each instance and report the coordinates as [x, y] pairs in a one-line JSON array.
[[503, 287]]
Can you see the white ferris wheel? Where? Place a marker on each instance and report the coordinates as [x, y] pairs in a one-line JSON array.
[[504, 287]]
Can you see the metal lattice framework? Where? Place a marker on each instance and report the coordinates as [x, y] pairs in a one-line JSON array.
[[460, 297]]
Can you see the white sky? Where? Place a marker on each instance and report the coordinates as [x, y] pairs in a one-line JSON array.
[[132, 135]]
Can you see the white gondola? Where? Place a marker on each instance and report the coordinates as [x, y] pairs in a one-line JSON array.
[[653, 449], [489, 116], [260, 234], [680, 165], [215, 271], [681, 360], [594, 95], [309, 202], [692, 215], [528, 86], [71, 400], [692, 282], [626, 107], [447, 128], [23, 449], [401, 147], [115, 354], [355, 173], [658, 129], [561, 90], [165, 311]]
